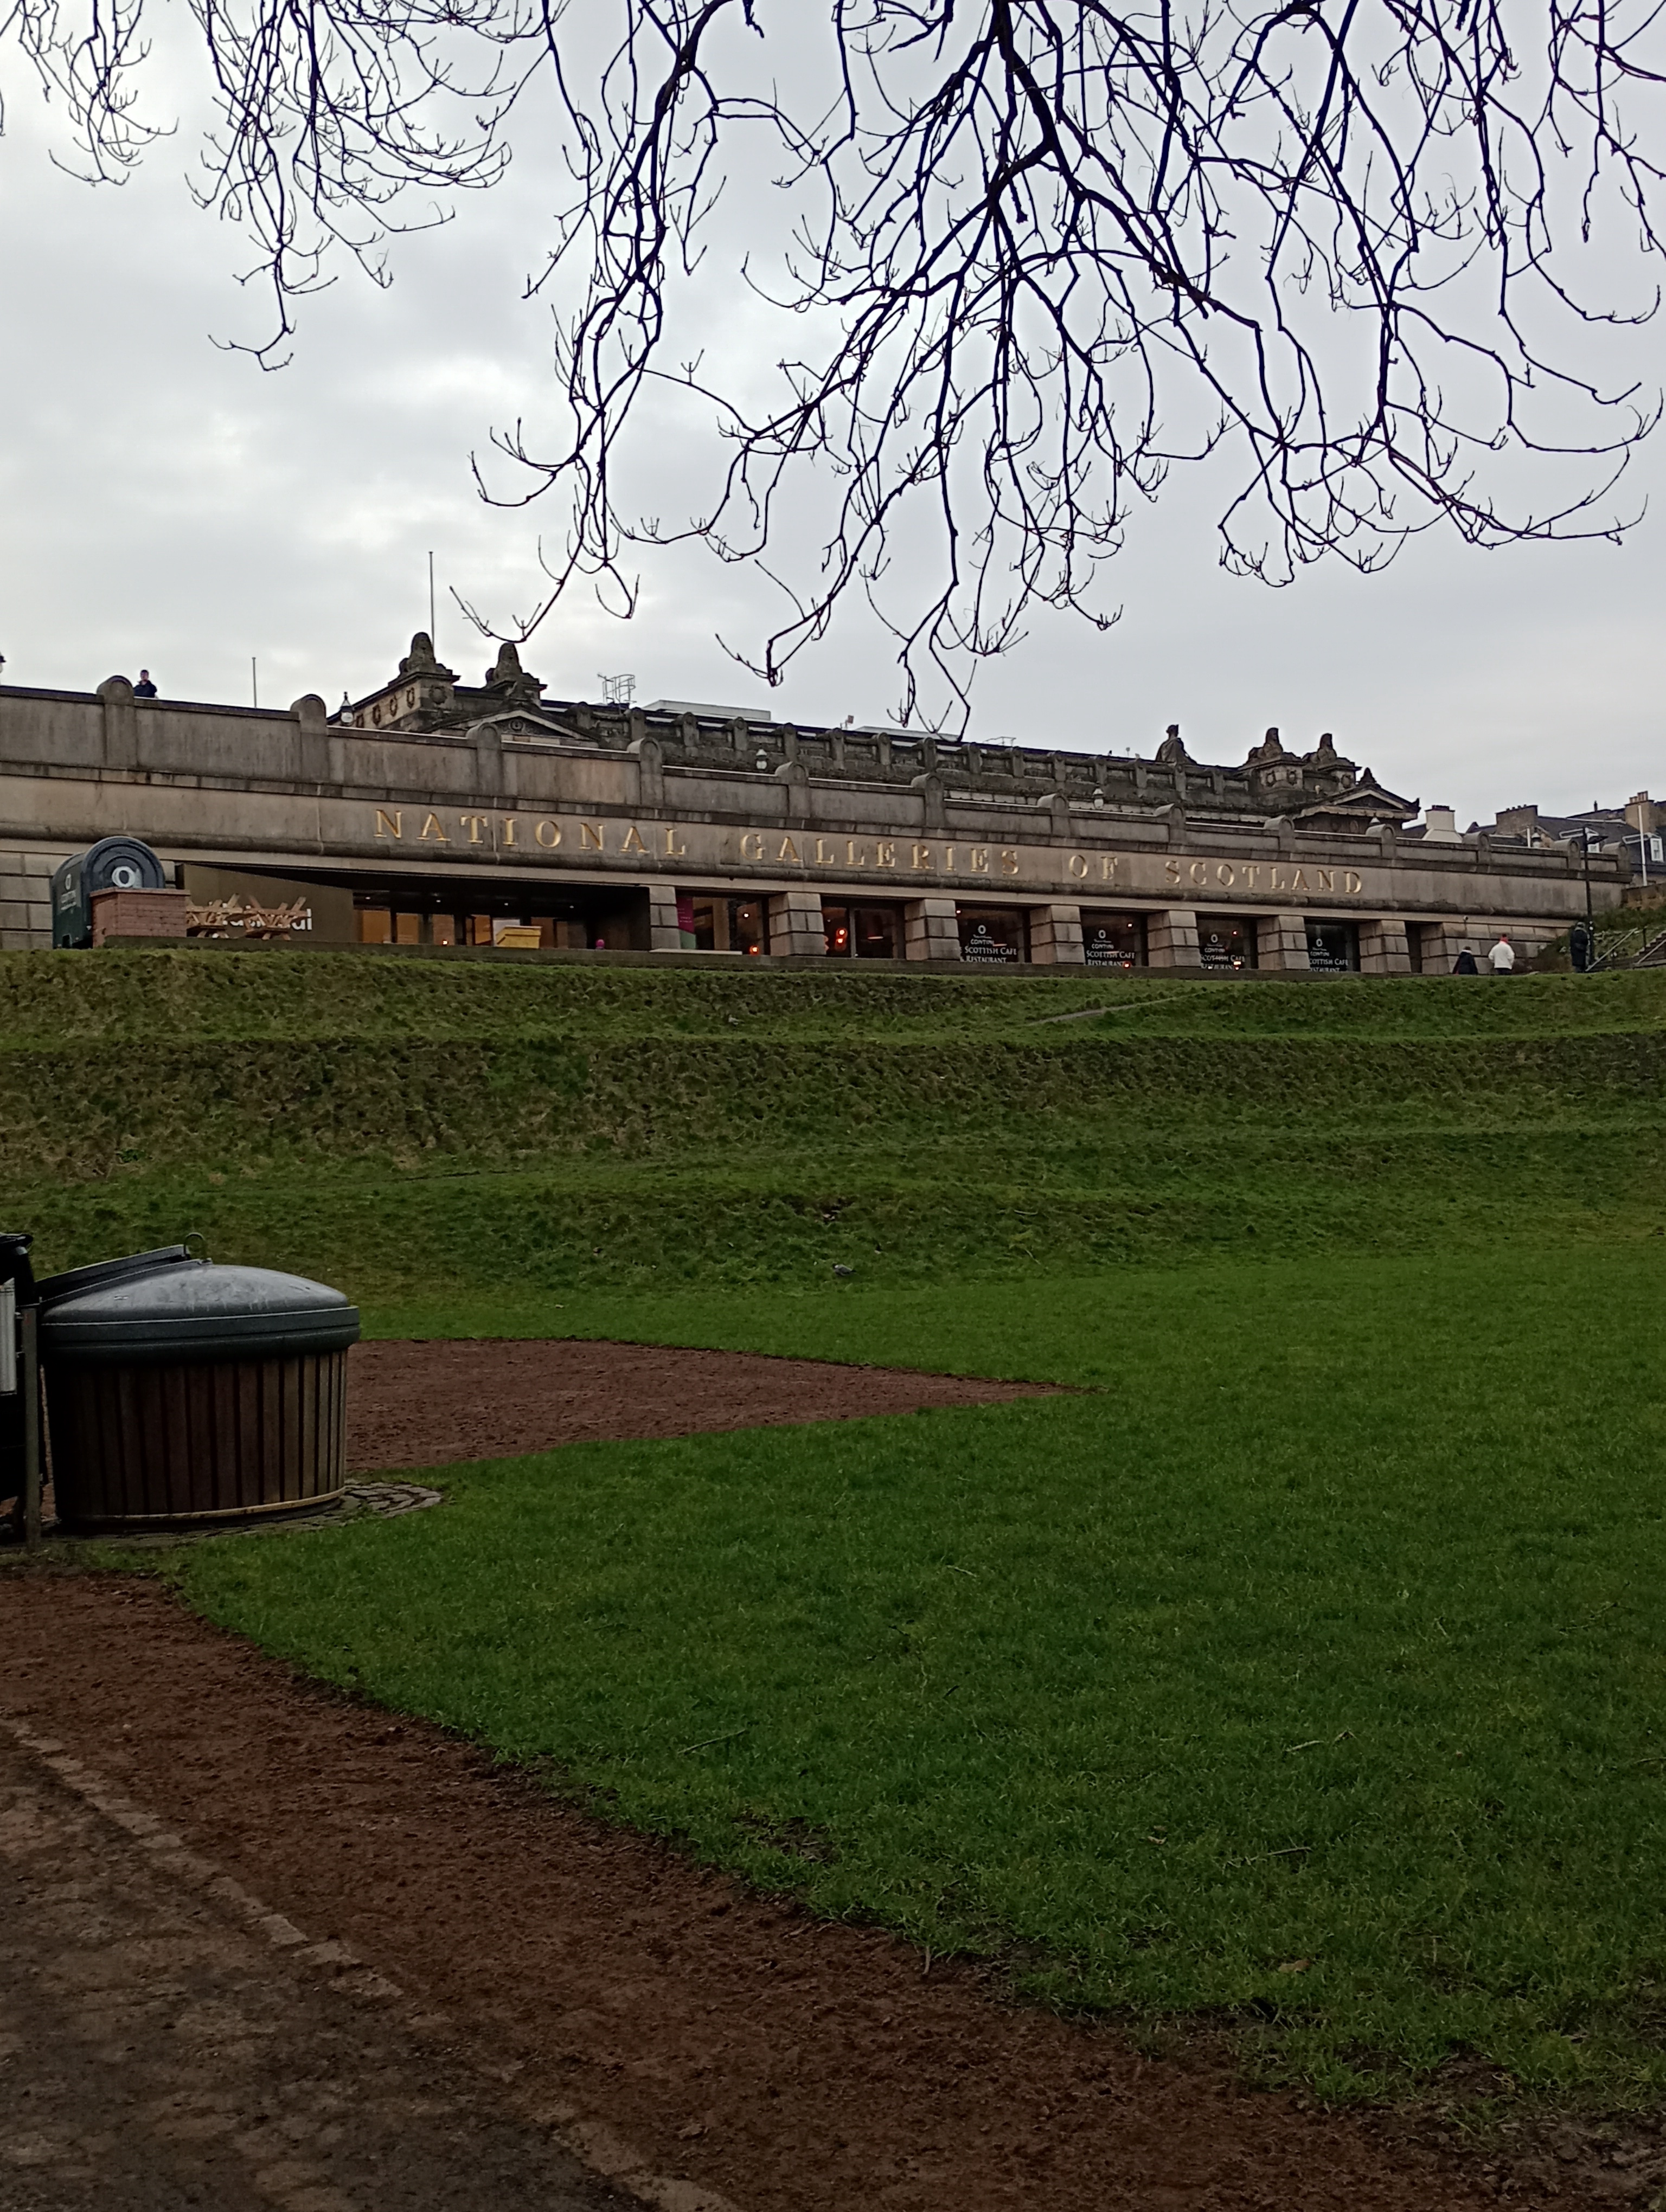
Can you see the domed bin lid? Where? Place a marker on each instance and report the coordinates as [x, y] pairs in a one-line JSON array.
[[197, 1309]]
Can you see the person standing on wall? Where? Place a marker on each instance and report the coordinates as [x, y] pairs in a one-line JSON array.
[[144, 689], [1503, 956]]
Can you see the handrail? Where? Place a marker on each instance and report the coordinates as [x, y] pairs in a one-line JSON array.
[[1611, 946]]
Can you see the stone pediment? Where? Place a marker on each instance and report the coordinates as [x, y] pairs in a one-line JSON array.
[[520, 725], [1368, 801]]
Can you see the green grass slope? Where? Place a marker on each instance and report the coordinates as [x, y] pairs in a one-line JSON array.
[[380, 1120], [1302, 1671]]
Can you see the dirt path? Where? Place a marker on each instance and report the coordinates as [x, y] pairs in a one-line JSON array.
[[788, 2065], [431, 1404]]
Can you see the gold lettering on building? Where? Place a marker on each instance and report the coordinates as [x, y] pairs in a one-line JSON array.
[[1327, 879], [823, 859], [1251, 870], [673, 850], [1171, 870], [1298, 881], [431, 829], [948, 860], [633, 841], [980, 860], [923, 859], [1077, 864], [1273, 884], [1109, 864], [885, 853], [752, 845], [1225, 875], [1199, 872], [1352, 882], [590, 837], [474, 824], [851, 858], [508, 829], [391, 825], [1009, 860], [789, 852], [548, 833]]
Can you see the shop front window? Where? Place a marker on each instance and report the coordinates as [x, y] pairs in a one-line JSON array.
[[1333, 947], [1226, 943], [749, 926], [862, 932], [993, 936], [1114, 940], [708, 924]]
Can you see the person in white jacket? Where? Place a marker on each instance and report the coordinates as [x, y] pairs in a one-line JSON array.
[[1502, 956]]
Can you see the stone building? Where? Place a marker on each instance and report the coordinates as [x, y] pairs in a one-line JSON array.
[[436, 812]]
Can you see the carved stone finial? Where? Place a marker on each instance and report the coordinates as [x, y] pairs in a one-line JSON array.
[[506, 669], [420, 659], [1271, 748], [1171, 753], [1326, 749]]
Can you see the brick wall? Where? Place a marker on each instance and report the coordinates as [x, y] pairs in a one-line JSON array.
[[137, 914]]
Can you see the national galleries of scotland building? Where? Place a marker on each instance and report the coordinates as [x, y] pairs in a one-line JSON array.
[[434, 812]]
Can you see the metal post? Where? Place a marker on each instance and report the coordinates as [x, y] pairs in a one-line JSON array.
[[28, 1379]]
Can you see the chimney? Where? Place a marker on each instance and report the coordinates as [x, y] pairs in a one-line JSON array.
[[1517, 821], [1440, 826], [1640, 812]]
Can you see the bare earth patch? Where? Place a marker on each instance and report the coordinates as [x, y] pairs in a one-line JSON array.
[[431, 1404]]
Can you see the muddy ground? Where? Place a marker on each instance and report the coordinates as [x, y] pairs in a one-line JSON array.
[[431, 1405]]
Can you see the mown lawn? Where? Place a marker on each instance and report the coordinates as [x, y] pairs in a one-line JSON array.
[[1303, 1669]]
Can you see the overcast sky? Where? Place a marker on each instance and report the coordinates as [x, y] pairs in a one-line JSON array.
[[168, 503]]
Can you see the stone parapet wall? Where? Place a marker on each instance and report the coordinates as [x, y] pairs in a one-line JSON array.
[[26, 912]]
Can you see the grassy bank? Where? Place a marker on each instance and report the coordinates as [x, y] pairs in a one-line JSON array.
[[385, 1122]]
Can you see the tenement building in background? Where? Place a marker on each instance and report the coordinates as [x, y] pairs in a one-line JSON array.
[[434, 812]]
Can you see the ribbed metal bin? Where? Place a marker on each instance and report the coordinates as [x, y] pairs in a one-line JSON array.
[[179, 1391]]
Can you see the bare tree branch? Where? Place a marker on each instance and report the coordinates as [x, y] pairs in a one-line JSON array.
[[1040, 252]]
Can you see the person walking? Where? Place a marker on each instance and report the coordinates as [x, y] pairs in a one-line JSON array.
[[1465, 963], [1503, 956]]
